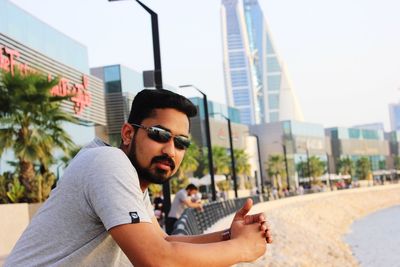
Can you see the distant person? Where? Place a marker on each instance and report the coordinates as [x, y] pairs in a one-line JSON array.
[[184, 198], [100, 213], [300, 190]]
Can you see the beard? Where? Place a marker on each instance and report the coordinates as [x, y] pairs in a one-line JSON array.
[[158, 176]]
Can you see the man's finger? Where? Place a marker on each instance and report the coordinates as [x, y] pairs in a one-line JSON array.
[[240, 214], [254, 218]]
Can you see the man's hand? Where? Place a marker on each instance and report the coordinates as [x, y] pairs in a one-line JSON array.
[[259, 218], [247, 232]]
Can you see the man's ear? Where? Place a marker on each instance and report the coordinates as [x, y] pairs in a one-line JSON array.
[[127, 132]]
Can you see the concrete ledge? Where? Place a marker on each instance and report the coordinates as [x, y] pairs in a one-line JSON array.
[[14, 219]]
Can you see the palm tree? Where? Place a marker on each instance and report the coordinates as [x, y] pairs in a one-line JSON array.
[[190, 163], [346, 167], [276, 170], [31, 119], [363, 168], [221, 161], [317, 168], [242, 165], [396, 162]]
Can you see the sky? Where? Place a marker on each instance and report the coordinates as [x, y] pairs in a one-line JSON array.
[[342, 57]]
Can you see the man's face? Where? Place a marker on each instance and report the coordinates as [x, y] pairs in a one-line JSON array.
[[155, 161], [192, 192]]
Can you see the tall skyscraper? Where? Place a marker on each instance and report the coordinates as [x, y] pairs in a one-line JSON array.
[[255, 78], [394, 112]]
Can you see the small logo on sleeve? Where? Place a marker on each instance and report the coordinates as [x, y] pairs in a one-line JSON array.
[[135, 217]]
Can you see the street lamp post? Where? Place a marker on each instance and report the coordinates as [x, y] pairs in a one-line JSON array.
[[259, 162], [208, 137], [286, 167], [158, 84], [232, 154], [156, 46], [329, 172], [308, 167]]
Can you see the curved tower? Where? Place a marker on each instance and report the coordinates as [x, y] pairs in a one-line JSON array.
[[256, 81]]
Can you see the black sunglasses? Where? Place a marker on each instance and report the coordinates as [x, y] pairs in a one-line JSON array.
[[163, 136]]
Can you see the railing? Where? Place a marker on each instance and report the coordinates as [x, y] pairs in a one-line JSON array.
[[194, 222]]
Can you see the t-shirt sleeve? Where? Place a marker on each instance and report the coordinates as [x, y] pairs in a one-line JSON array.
[[182, 196], [113, 190], [149, 206]]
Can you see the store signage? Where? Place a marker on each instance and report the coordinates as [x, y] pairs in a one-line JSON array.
[[223, 135], [81, 96]]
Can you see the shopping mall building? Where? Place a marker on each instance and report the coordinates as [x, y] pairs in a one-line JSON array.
[[29, 44]]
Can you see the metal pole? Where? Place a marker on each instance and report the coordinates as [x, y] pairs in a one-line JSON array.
[[156, 47], [158, 85], [208, 136], [286, 167], [329, 172], [259, 162], [308, 167], [232, 157]]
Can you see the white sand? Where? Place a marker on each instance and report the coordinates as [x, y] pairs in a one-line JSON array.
[[308, 230]]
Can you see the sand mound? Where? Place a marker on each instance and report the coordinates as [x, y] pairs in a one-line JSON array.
[[308, 230]]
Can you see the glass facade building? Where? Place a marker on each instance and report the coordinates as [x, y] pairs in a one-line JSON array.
[[356, 143], [21, 26], [256, 81], [299, 140], [121, 84], [29, 44], [216, 109], [394, 112]]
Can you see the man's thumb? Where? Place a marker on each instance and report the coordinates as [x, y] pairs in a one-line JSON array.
[[240, 214]]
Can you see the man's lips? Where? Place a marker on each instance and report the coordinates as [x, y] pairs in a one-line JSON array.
[[164, 162]]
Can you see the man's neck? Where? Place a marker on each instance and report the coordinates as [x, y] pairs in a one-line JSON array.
[[143, 185]]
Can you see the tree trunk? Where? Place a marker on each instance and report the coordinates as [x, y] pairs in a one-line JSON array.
[[27, 174]]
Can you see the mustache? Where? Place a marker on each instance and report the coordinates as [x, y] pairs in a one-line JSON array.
[[164, 158]]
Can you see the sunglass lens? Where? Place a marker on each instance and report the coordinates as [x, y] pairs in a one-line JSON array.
[[181, 142], [163, 136], [159, 135]]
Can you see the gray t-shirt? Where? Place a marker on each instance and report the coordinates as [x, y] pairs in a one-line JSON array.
[[178, 205], [99, 190]]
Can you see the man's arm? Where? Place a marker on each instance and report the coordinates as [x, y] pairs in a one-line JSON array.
[[144, 246], [188, 202], [240, 217]]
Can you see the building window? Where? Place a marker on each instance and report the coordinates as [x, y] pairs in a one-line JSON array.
[[270, 49], [273, 101], [274, 82], [273, 116], [241, 97], [236, 60], [245, 116], [112, 73], [273, 65], [239, 78]]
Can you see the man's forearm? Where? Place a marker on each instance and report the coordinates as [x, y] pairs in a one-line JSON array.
[[200, 239]]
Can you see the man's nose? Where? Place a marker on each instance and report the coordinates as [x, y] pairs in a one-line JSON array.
[[169, 148]]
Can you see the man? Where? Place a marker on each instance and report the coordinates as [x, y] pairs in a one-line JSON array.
[[183, 198], [100, 212]]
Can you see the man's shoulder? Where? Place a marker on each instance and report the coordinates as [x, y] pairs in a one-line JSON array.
[[182, 194], [100, 153]]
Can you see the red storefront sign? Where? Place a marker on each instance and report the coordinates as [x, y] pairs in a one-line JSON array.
[[81, 96]]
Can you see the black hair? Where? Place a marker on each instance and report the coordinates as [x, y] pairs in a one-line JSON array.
[[147, 100], [191, 187]]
